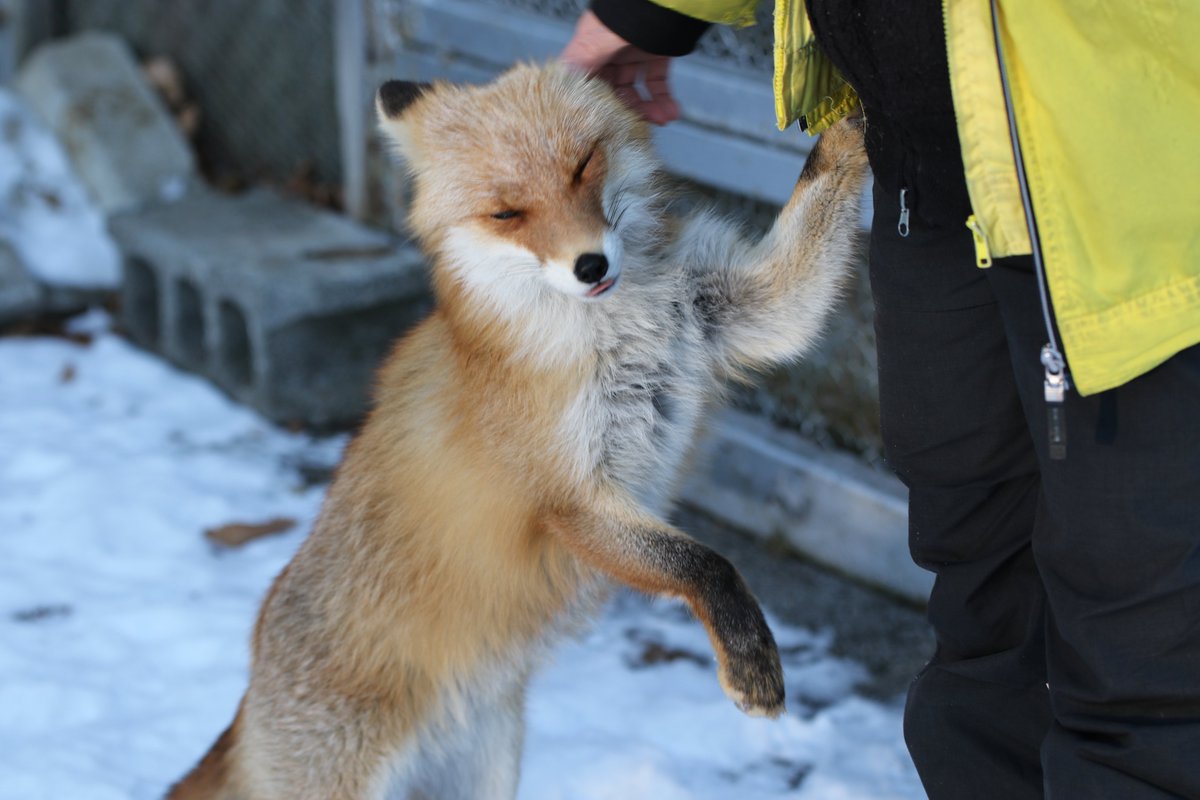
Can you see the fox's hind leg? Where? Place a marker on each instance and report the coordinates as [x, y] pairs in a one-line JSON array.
[[211, 779], [295, 748], [475, 755]]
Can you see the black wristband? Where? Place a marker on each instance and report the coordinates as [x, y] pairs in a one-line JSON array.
[[649, 26]]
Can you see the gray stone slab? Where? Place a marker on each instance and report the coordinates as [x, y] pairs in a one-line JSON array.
[[890, 637], [827, 506], [288, 308], [124, 145]]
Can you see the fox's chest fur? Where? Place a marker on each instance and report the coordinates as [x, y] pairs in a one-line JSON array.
[[637, 413]]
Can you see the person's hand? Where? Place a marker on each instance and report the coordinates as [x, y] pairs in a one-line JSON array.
[[639, 78]]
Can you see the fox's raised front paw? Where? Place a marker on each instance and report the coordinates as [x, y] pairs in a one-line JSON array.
[[753, 679], [840, 149]]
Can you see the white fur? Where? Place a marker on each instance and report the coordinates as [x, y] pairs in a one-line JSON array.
[[560, 275], [502, 275], [511, 282]]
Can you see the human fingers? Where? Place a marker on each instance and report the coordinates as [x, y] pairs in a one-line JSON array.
[[654, 78], [592, 46], [640, 79]]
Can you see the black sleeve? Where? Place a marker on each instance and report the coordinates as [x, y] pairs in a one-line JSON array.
[[651, 27]]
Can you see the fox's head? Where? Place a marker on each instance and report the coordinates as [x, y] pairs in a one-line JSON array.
[[530, 184]]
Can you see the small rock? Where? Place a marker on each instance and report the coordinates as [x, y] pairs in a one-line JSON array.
[[40, 613], [236, 534]]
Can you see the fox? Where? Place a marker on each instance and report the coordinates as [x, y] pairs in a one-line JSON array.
[[525, 442]]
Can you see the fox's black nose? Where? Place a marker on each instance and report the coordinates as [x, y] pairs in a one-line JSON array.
[[591, 267]]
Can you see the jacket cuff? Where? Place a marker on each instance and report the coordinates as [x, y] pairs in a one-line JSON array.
[[651, 27]]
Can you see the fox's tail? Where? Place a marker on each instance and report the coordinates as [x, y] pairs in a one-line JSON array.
[[210, 779]]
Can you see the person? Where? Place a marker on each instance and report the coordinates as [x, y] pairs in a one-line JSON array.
[[1035, 265]]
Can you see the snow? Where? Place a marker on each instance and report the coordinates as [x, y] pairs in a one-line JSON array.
[[125, 631], [45, 212]]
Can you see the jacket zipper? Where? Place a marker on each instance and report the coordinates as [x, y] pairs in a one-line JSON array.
[[1056, 382], [907, 195], [983, 253]]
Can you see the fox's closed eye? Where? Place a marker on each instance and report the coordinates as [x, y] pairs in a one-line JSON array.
[[508, 213]]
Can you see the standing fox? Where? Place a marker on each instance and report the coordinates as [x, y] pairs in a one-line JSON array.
[[524, 445]]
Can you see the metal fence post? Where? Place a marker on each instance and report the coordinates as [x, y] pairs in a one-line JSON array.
[[350, 55]]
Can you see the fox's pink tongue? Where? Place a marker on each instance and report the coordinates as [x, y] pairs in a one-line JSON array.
[[600, 288]]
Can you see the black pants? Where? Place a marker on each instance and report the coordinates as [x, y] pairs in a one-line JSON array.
[[1067, 596]]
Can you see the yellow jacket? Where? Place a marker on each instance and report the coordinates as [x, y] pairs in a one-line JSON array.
[[1106, 99]]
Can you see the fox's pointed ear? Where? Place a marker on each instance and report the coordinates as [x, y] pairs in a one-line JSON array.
[[395, 96], [392, 100]]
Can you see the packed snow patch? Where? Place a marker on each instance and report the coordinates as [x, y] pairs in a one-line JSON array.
[[125, 631], [45, 211]]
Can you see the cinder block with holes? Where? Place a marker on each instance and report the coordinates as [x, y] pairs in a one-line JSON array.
[[287, 308]]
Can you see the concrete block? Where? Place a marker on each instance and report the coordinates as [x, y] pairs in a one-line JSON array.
[[124, 145], [287, 308], [827, 506]]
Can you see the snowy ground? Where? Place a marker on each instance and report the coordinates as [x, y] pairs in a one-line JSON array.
[[123, 631]]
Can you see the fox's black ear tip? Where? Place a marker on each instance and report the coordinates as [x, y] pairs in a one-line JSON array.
[[395, 96]]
